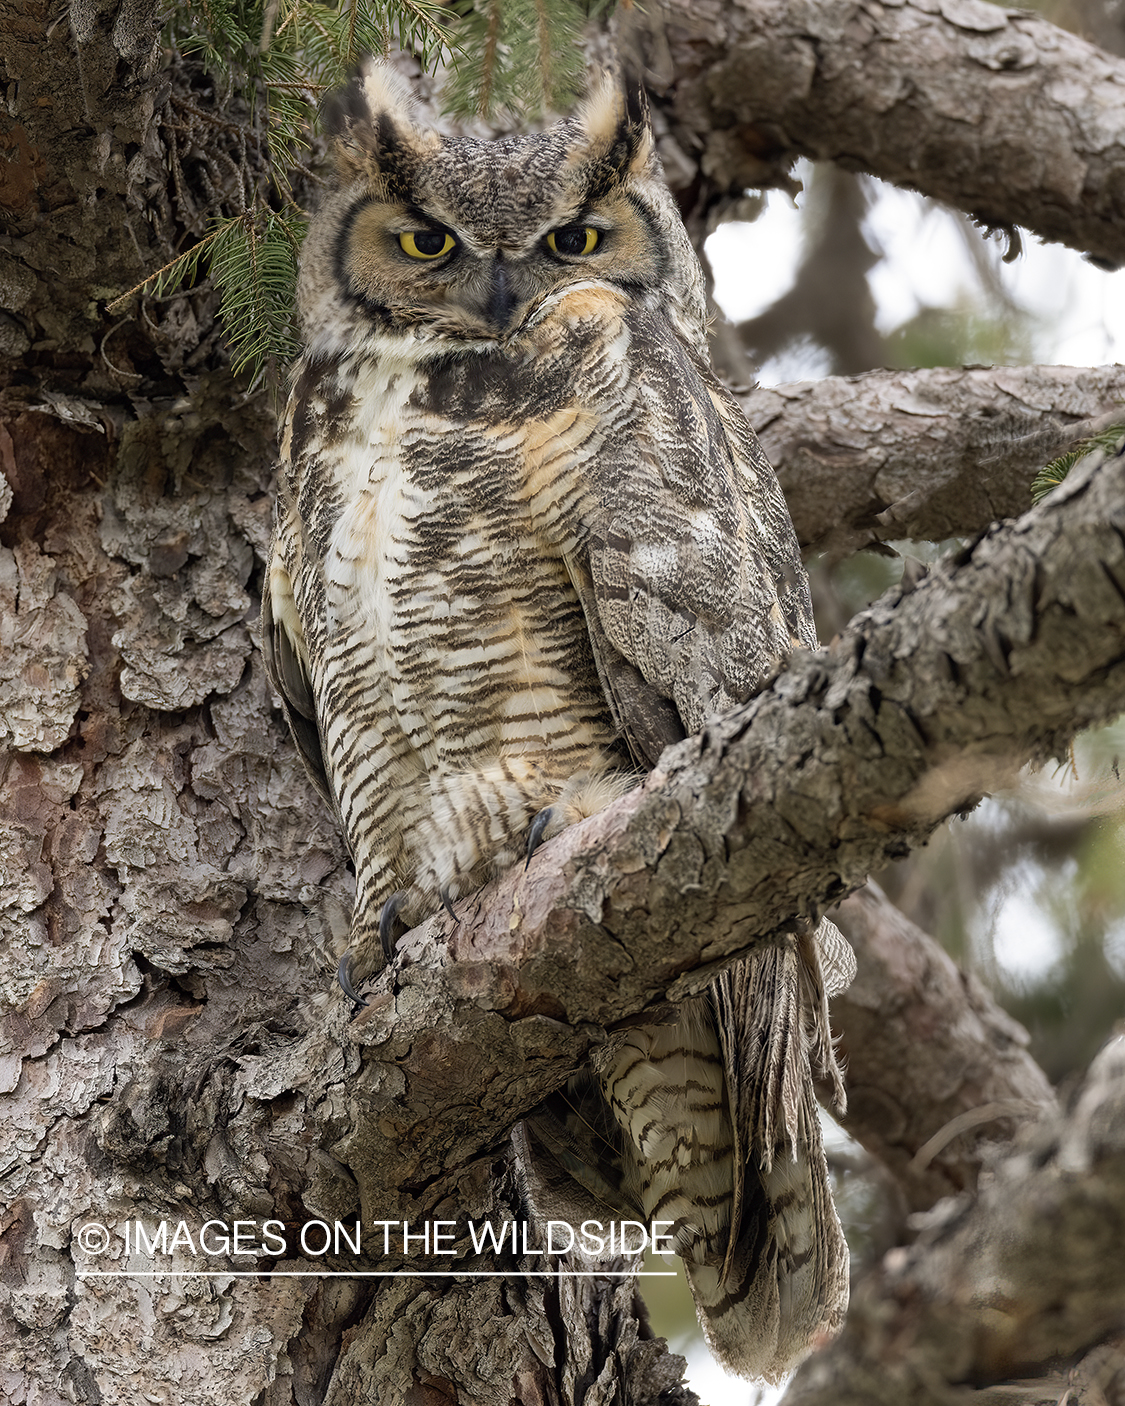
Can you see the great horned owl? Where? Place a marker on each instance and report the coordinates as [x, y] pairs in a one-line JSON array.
[[525, 539]]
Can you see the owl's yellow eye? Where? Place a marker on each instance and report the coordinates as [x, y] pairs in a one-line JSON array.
[[426, 243], [574, 240]]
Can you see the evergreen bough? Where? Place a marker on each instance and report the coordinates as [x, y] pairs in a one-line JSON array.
[[523, 57]]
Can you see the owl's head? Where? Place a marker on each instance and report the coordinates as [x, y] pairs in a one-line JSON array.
[[467, 242]]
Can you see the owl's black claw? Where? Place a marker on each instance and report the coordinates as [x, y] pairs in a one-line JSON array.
[[344, 977], [535, 834], [447, 902], [387, 919]]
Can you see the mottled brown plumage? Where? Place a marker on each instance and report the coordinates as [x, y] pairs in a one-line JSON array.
[[524, 540]]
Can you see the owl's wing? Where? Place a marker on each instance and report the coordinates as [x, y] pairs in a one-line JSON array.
[[691, 578], [642, 714], [695, 594], [286, 659]]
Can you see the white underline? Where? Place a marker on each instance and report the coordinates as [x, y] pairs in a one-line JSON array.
[[377, 1274]]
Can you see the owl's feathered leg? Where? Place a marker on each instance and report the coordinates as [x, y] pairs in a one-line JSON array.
[[476, 821], [477, 818]]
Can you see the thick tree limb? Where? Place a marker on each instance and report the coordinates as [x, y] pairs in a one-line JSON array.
[[1028, 1270], [1000, 114], [935, 1067], [923, 455], [852, 756]]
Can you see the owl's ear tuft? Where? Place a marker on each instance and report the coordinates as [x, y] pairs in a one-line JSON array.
[[615, 119], [371, 122]]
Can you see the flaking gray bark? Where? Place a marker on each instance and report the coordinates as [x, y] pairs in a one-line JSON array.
[[998, 113], [923, 455]]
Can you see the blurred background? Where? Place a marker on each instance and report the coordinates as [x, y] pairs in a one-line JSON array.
[[1028, 891]]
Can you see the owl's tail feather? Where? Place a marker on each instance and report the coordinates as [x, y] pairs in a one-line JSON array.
[[710, 1123], [784, 1281], [784, 1287], [827, 967]]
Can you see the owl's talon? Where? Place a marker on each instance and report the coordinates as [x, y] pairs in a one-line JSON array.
[[344, 977], [387, 918], [447, 902], [535, 834]]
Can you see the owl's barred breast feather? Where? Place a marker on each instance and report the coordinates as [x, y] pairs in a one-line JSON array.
[[524, 540]]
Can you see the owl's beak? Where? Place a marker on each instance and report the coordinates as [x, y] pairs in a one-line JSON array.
[[503, 297]]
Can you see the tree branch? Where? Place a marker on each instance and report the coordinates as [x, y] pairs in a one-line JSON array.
[[923, 455], [928, 1052], [1026, 1271], [1001, 114]]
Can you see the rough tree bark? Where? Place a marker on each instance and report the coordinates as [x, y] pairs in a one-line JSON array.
[[998, 113], [923, 455], [173, 897]]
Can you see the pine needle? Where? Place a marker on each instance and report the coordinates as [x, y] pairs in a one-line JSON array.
[[523, 56], [175, 272], [1052, 474]]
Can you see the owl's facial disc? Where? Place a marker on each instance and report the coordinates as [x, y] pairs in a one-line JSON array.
[[476, 275]]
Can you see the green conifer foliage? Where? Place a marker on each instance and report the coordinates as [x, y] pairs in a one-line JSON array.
[[523, 57]]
